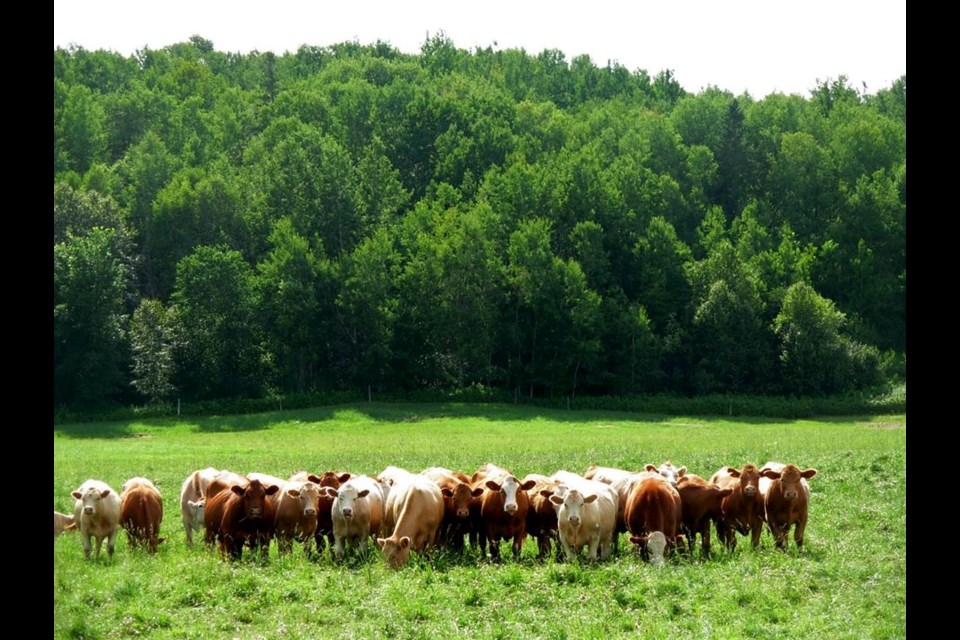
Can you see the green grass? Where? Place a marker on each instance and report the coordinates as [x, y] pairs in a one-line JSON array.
[[849, 582]]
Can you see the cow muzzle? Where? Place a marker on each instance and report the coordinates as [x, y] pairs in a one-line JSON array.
[[575, 521], [348, 513], [463, 513], [309, 511], [789, 495], [88, 511], [510, 507], [750, 491]]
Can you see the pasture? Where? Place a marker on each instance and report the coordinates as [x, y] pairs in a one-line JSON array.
[[848, 582]]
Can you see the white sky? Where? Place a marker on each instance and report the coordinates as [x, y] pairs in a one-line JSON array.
[[759, 46]]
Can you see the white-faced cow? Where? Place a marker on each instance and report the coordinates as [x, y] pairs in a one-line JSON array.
[[97, 515]]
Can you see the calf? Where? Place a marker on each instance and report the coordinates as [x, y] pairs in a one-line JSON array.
[[297, 504], [457, 497], [653, 516], [742, 510], [141, 512], [357, 513], [241, 515], [96, 513], [541, 515], [62, 522], [193, 493], [700, 504], [503, 509], [786, 498], [412, 516]]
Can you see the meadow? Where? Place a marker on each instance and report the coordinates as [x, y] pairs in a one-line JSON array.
[[848, 582]]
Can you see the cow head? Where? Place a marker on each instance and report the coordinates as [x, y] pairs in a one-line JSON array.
[[395, 552], [308, 495], [749, 479], [655, 546], [196, 509], [790, 479], [572, 506], [670, 473], [509, 487], [254, 496], [347, 497], [461, 496], [90, 497]]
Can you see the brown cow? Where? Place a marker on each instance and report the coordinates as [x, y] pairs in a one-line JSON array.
[[653, 517], [241, 515], [742, 509], [297, 504], [141, 512], [700, 504], [457, 497], [62, 522], [503, 509], [541, 515], [412, 515], [786, 498]]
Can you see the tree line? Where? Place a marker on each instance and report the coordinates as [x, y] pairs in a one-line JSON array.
[[234, 225]]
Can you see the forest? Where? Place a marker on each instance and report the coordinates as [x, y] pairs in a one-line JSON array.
[[235, 225]]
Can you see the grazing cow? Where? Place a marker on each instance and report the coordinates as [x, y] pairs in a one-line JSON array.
[[586, 515], [654, 508], [324, 531], [541, 515], [457, 497], [241, 515], [786, 498], [193, 494], [357, 513], [96, 513], [503, 509], [742, 510], [701, 503], [141, 512], [412, 516], [297, 505], [62, 522]]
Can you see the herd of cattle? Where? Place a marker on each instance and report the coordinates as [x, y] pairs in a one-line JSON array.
[[663, 508]]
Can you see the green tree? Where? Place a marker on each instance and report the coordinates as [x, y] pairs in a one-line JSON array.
[[811, 351], [154, 339]]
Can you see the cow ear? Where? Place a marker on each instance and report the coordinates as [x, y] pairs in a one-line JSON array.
[[770, 473], [77, 495], [556, 499], [404, 542], [344, 477], [364, 493], [733, 473], [546, 493], [272, 489], [331, 492], [476, 493], [493, 486], [314, 479], [650, 467], [808, 473], [237, 489], [293, 493], [105, 493], [447, 493], [681, 471], [529, 484], [723, 493], [590, 499], [638, 539], [381, 542]]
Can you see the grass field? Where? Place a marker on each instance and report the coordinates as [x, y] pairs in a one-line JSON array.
[[848, 582]]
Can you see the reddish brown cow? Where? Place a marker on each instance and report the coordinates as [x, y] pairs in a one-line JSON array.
[[742, 509], [542, 516], [457, 496], [503, 509], [700, 504], [242, 515], [141, 512], [653, 517], [296, 518], [786, 498]]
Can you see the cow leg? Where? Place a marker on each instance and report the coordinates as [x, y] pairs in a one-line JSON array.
[[704, 540], [798, 532], [756, 528], [338, 547], [111, 540], [518, 545], [99, 542], [779, 535], [594, 546]]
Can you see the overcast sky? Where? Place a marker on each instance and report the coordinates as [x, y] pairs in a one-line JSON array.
[[758, 46]]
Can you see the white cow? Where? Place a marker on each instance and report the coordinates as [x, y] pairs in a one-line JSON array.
[[62, 522], [357, 513], [193, 495], [97, 515], [586, 515]]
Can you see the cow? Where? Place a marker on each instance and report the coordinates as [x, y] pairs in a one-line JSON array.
[[297, 504], [223, 480], [243, 514], [193, 493], [606, 475], [670, 473], [324, 531], [622, 482], [541, 515], [457, 497], [653, 517], [412, 516], [786, 499], [502, 509], [141, 512], [96, 513], [700, 504], [586, 515], [357, 513], [62, 522], [742, 510]]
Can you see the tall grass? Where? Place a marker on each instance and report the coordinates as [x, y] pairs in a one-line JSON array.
[[849, 582]]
